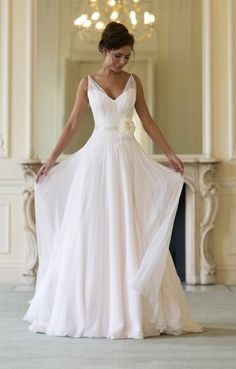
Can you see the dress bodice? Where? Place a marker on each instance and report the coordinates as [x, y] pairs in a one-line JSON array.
[[107, 111]]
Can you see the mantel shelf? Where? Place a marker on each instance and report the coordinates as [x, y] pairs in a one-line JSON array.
[[186, 158]]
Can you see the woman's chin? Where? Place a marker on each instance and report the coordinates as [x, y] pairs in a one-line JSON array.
[[117, 69]]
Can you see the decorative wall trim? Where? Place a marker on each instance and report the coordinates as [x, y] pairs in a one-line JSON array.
[[226, 268], [206, 80], [5, 37], [11, 186], [4, 228], [30, 168], [12, 265], [231, 76], [227, 186], [30, 79], [208, 191], [232, 219]]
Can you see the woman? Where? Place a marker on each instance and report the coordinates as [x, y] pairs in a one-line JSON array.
[[104, 218]]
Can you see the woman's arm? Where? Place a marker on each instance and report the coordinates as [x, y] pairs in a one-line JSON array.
[[71, 127], [152, 129]]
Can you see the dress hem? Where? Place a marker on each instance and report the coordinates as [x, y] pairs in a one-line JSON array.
[[159, 331]]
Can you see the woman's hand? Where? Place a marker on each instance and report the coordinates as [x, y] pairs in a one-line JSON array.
[[176, 163], [45, 168]]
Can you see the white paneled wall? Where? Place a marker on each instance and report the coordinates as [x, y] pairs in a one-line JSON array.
[[15, 109], [4, 76], [223, 47]]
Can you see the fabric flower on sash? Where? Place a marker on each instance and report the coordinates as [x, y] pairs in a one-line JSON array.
[[127, 126]]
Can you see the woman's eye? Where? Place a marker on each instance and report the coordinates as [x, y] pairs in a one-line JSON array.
[[119, 56]]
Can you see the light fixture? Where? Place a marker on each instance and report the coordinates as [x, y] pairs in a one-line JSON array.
[[93, 15]]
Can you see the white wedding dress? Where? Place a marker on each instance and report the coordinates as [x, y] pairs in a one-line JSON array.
[[104, 218]]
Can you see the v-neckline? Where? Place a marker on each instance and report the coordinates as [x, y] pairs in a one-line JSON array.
[[111, 98]]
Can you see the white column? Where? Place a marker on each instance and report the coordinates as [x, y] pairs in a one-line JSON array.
[[206, 80], [4, 76], [30, 78], [231, 80]]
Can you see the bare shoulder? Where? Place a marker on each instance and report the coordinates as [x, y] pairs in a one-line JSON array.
[[138, 83], [82, 90], [83, 84], [137, 79], [83, 87]]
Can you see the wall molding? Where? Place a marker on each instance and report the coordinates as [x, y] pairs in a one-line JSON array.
[[30, 79], [226, 268], [227, 186], [5, 227], [5, 37], [231, 76], [232, 220], [206, 80], [13, 186]]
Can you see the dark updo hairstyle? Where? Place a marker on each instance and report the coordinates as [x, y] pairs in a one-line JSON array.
[[115, 36]]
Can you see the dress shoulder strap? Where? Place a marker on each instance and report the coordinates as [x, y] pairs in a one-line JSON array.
[[89, 81], [132, 81]]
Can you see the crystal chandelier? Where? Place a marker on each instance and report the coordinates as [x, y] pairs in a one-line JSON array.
[[93, 15]]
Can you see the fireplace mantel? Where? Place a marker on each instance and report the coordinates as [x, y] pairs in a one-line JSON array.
[[201, 210]]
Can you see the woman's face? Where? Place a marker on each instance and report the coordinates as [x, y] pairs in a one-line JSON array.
[[118, 58]]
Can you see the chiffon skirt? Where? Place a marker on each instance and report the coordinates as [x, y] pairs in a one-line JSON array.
[[104, 217]]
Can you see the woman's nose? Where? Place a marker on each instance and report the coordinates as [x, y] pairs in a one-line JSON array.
[[123, 62]]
